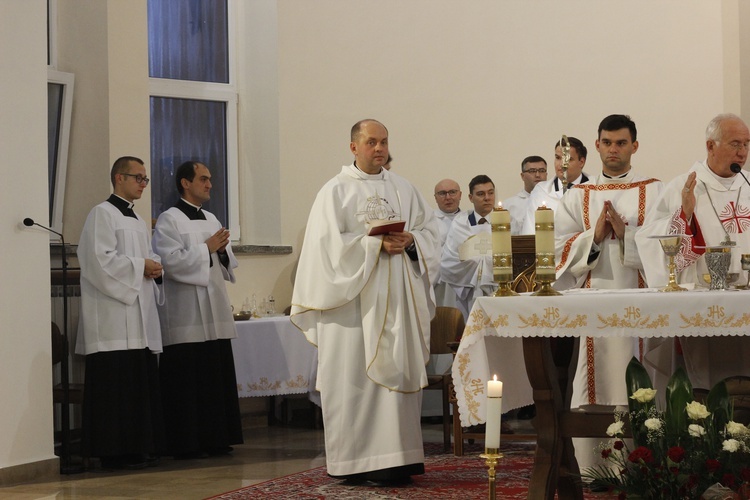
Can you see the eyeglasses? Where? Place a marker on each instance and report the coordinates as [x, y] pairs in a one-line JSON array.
[[443, 194], [139, 178], [533, 171], [739, 146]]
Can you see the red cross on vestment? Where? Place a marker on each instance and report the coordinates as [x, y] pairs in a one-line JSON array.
[[735, 219]]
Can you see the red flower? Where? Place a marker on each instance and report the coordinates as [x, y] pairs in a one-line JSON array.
[[675, 470], [641, 453], [728, 480], [606, 453], [676, 454], [619, 445], [622, 496], [712, 465], [745, 474]]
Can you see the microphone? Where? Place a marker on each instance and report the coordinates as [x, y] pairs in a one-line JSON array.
[[735, 167], [28, 222]]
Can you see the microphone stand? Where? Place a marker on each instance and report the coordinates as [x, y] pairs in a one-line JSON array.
[[66, 467]]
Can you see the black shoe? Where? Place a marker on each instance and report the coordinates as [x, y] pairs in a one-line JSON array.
[[152, 460], [135, 461], [111, 463], [396, 481], [224, 450], [190, 455]]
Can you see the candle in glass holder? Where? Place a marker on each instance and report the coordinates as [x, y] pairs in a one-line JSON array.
[[494, 413], [502, 249], [544, 218]]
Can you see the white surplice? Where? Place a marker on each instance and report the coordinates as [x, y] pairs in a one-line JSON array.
[[472, 277], [600, 374], [721, 208], [444, 294], [118, 304], [518, 206], [369, 314], [548, 193], [196, 307]]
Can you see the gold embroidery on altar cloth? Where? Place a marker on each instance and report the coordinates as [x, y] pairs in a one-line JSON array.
[[472, 387], [715, 318], [479, 322], [553, 319], [631, 318]]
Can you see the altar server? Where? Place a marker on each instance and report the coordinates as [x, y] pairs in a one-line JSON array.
[[533, 171], [118, 329], [448, 199], [199, 385], [711, 204], [366, 303], [595, 227], [549, 192], [466, 262]]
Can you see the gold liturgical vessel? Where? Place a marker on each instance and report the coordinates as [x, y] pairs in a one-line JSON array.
[[670, 244]]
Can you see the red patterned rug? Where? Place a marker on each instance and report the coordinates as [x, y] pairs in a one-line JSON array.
[[446, 477]]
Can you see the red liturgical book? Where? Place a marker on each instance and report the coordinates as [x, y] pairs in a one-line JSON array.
[[386, 226]]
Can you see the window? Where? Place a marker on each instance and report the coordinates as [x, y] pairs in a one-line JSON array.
[[193, 102], [59, 110]]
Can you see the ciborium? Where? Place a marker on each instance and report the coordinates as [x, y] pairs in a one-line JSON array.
[[718, 259], [670, 245], [745, 261]]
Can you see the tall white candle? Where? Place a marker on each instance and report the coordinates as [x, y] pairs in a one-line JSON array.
[[545, 241], [494, 413]]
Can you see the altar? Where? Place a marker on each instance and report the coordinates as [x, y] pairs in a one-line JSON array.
[[525, 324]]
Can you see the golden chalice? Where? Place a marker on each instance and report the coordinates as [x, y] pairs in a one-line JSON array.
[[670, 244]]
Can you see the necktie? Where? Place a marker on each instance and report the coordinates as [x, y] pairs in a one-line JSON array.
[[482, 221]]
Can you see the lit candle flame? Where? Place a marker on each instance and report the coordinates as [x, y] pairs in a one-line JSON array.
[[499, 205], [494, 378]]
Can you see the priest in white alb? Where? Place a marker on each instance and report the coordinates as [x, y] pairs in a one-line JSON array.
[[448, 199], [595, 227], [466, 263], [199, 385], [711, 205], [366, 302]]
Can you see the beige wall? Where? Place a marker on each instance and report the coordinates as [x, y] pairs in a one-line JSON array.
[[25, 366]]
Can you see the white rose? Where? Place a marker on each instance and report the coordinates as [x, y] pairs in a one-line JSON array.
[[652, 424], [615, 429], [730, 445], [737, 429], [643, 395], [697, 411], [696, 430]]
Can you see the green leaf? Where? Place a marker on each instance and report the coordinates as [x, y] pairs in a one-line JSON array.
[[718, 404], [679, 394], [636, 377]]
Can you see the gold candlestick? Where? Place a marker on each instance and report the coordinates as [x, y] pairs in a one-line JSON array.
[[491, 457], [502, 252]]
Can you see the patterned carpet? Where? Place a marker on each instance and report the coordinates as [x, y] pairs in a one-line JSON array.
[[446, 477]]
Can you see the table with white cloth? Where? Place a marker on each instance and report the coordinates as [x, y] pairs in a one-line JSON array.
[[520, 339], [272, 357]]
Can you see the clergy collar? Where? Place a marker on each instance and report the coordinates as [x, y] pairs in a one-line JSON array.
[[621, 176], [191, 211], [197, 207], [120, 201], [379, 175], [580, 180]]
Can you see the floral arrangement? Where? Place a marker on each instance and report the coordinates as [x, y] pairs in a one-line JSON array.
[[689, 450]]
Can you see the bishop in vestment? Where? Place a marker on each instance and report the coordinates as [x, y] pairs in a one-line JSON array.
[[366, 302], [711, 204]]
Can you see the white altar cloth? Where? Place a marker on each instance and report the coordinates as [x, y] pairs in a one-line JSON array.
[[272, 357], [491, 343]]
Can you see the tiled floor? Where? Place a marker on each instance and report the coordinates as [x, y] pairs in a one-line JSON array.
[[268, 452]]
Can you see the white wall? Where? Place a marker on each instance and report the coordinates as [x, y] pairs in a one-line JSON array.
[[25, 351]]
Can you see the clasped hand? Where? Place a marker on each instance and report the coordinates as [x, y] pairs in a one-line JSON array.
[[219, 241], [609, 221], [152, 269], [395, 243]]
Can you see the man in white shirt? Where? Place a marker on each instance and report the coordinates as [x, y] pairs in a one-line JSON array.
[[448, 199], [711, 204], [118, 330], [533, 171], [199, 386], [550, 192], [466, 263]]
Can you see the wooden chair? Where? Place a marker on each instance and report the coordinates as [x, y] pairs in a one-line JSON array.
[[738, 388], [447, 326]]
